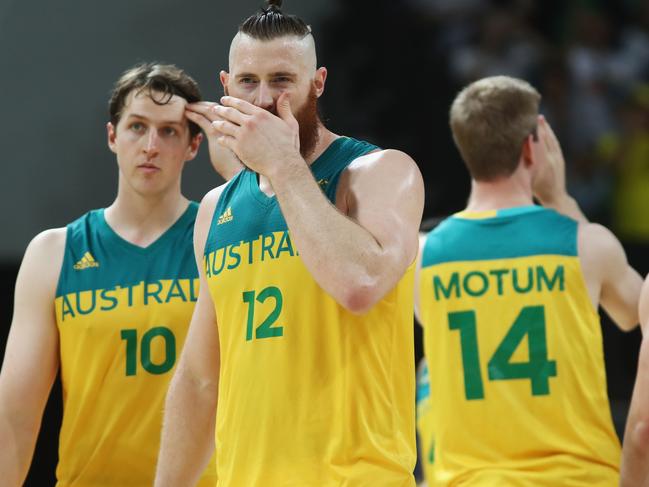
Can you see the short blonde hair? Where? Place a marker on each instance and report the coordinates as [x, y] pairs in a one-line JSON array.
[[490, 120]]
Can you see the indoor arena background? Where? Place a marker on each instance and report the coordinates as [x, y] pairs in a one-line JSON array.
[[394, 67]]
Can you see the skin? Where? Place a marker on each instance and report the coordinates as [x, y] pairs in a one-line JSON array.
[[635, 451], [152, 144], [610, 281], [360, 254]]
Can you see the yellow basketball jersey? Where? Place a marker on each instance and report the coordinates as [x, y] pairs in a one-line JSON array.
[[122, 313], [514, 349], [425, 418], [310, 394]]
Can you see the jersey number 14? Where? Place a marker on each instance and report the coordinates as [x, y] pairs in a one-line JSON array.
[[529, 323]]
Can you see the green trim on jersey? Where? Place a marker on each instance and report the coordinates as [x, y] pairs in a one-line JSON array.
[[513, 232], [237, 214], [96, 257]]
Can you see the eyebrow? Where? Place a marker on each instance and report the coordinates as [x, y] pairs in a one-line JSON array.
[[164, 122], [278, 73]]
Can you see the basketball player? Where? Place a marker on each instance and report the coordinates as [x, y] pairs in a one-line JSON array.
[[508, 296], [635, 452], [109, 299], [302, 331]]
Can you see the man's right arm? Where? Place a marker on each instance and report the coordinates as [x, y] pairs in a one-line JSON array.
[[190, 408], [31, 357], [635, 452], [610, 280]]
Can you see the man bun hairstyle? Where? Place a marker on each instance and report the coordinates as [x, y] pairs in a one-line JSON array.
[[160, 82], [271, 23]]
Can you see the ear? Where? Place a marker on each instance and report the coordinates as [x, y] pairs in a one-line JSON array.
[[224, 76], [112, 135], [319, 81], [528, 155], [194, 144]]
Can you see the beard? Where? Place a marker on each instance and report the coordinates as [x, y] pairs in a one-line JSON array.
[[308, 119]]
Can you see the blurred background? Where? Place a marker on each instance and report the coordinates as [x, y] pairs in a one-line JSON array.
[[394, 68]]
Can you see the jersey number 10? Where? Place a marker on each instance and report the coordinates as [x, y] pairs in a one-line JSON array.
[[538, 369], [145, 350]]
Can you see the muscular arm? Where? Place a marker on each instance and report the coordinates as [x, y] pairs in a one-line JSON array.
[[635, 451], [190, 408], [31, 357], [610, 279], [358, 257]]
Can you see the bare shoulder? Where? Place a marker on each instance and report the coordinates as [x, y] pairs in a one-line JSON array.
[[597, 242], [205, 214], [48, 247], [385, 171], [386, 163], [43, 259]]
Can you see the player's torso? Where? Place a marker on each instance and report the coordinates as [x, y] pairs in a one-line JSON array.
[[518, 386], [122, 313], [309, 393]]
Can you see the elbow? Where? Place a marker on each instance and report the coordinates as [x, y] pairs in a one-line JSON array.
[[360, 297]]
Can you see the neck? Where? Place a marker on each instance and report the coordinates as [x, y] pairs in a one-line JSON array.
[[496, 195], [325, 138], [141, 219]]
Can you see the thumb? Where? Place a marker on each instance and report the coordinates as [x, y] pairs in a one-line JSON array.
[[284, 108]]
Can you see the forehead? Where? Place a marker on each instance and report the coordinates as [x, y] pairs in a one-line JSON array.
[[284, 54], [140, 103]]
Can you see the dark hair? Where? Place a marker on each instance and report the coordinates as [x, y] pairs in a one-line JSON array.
[[160, 81], [270, 23]]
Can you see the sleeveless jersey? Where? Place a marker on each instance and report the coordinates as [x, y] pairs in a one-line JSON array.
[[309, 393], [122, 313], [425, 417], [515, 356]]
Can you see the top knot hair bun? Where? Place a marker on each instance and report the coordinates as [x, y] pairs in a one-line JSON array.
[[274, 3]]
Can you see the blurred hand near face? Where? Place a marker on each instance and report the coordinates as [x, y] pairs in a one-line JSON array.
[[549, 181], [261, 140]]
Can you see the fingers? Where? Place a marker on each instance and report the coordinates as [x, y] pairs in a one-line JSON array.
[[225, 128], [550, 139], [241, 105], [200, 120], [284, 108]]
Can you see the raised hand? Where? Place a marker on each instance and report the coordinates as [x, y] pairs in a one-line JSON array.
[[203, 114], [549, 183], [262, 141]]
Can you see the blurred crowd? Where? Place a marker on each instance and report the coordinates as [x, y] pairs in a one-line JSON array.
[[399, 64]]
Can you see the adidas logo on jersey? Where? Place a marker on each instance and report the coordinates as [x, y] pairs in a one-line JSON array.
[[323, 183], [226, 216], [86, 261]]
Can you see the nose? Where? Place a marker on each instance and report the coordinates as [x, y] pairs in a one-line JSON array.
[[264, 97], [151, 148]]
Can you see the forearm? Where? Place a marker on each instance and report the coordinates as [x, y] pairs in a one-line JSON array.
[[188, 432], [343, 257], [635, 453], [17, 449]]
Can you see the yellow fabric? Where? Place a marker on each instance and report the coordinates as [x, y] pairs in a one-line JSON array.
[[631, 196], [330, 402], [110, 434], [511, 437]]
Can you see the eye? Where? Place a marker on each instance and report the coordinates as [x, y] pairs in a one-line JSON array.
[[169, 131], [136, 127], [246, 81], [282, 79]]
